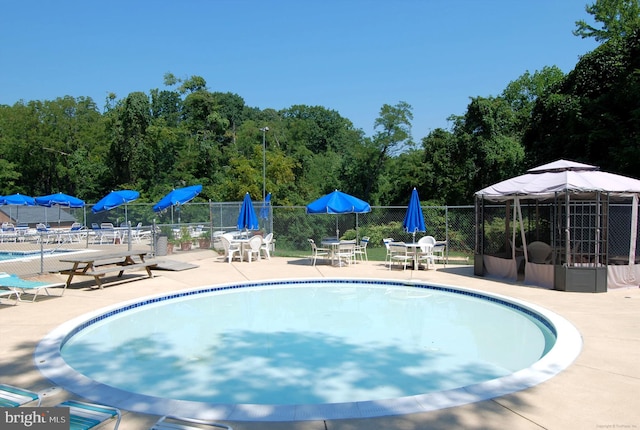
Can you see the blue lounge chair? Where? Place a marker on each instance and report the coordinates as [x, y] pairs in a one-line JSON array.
[[176, 423], [12, 397], [85, 416], [14, 285]]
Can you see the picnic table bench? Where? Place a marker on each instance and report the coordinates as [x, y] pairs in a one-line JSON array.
[[100, 265]]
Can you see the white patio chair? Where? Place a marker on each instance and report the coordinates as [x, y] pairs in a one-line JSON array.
[[267, 243], [361, 249], [317, 252], [386, 241], [108, 233], [346, 252], [253, 247], [426, 250], [230, 249], [439, 251], [400, 254]]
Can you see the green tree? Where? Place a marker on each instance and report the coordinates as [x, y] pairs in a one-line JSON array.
[[446, 168], [522, 93], [618, 19], [129, 153], [594, 114], [393, 136]]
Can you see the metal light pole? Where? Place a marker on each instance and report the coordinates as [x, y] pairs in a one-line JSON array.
[[264, 162]]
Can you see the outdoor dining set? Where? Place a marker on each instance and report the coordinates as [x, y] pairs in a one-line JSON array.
[[239, 245], [426, 250], [346, 252]]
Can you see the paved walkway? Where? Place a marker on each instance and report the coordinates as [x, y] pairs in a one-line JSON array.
[[598, 391]]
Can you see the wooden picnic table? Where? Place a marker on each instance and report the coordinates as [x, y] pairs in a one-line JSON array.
[[99, 265]]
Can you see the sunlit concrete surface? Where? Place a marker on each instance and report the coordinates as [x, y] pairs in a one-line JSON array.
[[599, 390]]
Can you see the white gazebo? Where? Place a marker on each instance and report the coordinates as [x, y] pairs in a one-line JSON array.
[[589, 218]]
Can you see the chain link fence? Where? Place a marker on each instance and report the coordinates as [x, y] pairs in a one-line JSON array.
[[30, 252], [292, 227]]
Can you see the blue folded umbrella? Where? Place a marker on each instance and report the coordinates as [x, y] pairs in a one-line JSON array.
[[414, 218], [264, 211], [247, 218]]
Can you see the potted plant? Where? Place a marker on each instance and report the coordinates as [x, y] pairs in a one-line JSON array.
[[172, 243], [204, 240], [185, 239]]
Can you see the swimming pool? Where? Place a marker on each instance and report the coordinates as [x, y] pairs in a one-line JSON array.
[[321, 349], [30, 255]]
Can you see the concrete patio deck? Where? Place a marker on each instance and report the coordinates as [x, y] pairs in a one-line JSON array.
[[598, 391]]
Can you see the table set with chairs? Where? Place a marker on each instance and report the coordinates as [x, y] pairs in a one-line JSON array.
[[339, 252], [426, 250], [240, 245]]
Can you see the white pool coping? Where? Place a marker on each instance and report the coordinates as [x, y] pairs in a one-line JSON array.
[[51, 364]]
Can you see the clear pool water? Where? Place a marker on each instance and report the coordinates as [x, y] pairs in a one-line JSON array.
[[304, 343], [25, 255]]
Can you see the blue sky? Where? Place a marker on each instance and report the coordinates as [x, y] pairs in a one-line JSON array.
[[351, 56]]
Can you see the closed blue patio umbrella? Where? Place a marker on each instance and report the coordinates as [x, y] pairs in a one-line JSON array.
[[177, 197], [338, 202], [264, 210], [247, 218], [414, 218], [115, 199]]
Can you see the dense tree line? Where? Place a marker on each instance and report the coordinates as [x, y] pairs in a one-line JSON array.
[[185, 134]]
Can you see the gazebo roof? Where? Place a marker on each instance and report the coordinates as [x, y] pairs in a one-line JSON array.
[[561, 177]]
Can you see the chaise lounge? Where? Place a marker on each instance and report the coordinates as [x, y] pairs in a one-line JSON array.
[[12, 397], [14, 285], [85, 416]]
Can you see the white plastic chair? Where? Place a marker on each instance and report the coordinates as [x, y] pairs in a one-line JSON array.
[[230, 249], [255, 243], [427, 244], [267, 242]]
